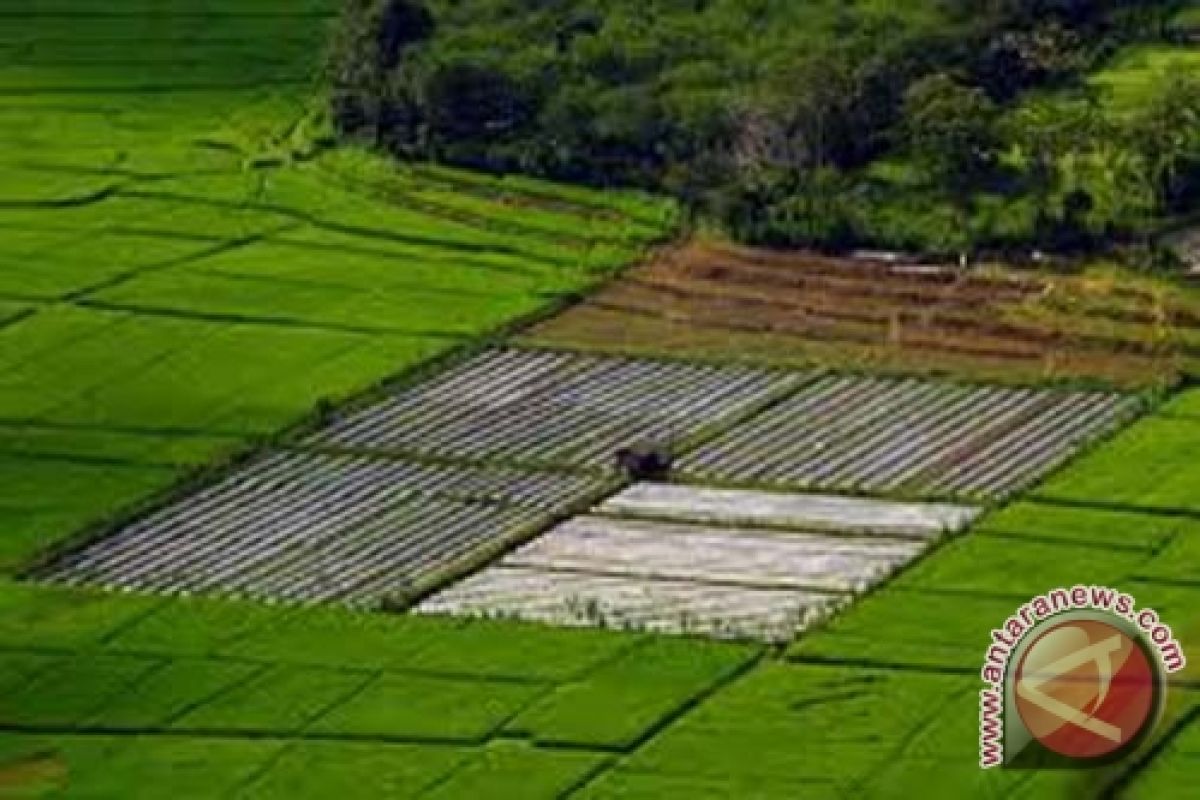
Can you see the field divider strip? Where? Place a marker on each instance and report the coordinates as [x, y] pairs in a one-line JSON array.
[[1147, 759], [1103, 505], [677, 714], [697, 580], [832, 530], [251, 676], [352, 230], [881, 664], [1066, 541], [273, 321], [125, 276], [503, 545], [348, 669]]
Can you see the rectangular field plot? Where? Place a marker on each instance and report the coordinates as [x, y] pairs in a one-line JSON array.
[[301, 527], [781, 510], [908, 436], [555, 408], [718, 579]]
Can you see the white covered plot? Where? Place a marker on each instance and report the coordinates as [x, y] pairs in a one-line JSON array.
[[612, 601], [919, 437], [746, 556], [543, 407], [857, 515], [694, 560]]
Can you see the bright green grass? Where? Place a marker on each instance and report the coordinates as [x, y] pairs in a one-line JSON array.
[[510, 771], [418, 707], [1139, 71], [75, 690], [41, 499], [83, 444], [894, 626], [64, 619], [191, 268], [135, 767], [834, 717], [978, 564], [1098, 527], [1184, 404], [1175, 769], [281, 699], [118, 369], [1152, 465], [490, 648], [625, 699], [356, 770], [1179, 559], [328, 637], [170, 691], [415, 309]]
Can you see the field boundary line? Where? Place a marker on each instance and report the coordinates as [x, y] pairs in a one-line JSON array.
[[256, 319], [1103, 505], [340, 227], [766, 526], [274, 735], [1091, 544], [1126, 778], [114, 648], [731, 583], [121, 278], [678, 713]]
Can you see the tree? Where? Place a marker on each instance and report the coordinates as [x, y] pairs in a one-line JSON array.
[[469, 101], [948, 127], [370, 91], [1166, 134], [1047, 136]]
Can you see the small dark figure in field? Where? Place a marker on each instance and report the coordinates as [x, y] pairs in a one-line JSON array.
[[646, 462]]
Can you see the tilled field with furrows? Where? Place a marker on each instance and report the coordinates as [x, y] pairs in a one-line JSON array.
[[910, 436], [555, 408], [301, 526]]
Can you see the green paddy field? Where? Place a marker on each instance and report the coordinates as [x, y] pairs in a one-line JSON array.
[[189, 268]]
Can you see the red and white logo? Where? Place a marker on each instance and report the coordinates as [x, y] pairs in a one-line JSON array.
[[1085, 689]]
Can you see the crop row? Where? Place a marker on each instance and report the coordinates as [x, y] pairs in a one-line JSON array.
[[560, 408], [310, 527], [912, 436], [677, 576]]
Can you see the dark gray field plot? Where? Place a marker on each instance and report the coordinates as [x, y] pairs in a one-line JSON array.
[[917, 437], [304, 527], [394, 499], [561, 409]]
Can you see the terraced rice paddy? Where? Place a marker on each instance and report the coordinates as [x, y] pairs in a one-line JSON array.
[[765, 566], [715, 301]]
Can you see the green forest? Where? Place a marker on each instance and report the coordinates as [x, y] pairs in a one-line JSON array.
[[942, 126]]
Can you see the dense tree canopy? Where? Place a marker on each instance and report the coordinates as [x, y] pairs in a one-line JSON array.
[[823, 122]]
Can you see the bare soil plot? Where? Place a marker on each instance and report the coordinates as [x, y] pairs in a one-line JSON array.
[[720, 579], [720, 301]]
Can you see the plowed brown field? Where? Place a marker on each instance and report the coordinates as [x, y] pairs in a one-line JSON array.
[[721, 301]]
